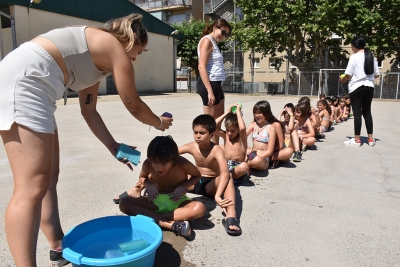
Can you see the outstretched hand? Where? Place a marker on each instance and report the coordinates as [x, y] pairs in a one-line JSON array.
[[166, 123]]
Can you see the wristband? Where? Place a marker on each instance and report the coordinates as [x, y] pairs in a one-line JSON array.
[[161, 124]]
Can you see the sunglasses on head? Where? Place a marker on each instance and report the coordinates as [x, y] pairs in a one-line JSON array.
[[224, 33]]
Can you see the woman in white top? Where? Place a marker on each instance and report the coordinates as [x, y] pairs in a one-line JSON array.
[[211, 69], [361, 71]]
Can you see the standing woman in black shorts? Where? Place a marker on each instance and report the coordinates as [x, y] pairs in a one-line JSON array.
[[211, 69]]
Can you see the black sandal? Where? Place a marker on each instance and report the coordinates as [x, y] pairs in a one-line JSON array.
[[182, 228], [123, 195], [234, 222]]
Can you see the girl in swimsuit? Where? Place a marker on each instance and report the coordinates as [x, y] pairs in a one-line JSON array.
[[324, 115], [311, 113], [263, 135], [291, 137], [344, 115], [305, 129]]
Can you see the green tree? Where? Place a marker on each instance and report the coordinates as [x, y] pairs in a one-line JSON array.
[[305, 27], [187, 50], [377, 21]]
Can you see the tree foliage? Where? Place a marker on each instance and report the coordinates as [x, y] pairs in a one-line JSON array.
[[305, 27], [187, 50]]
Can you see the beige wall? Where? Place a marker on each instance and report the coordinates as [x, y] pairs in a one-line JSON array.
[[153, 69]]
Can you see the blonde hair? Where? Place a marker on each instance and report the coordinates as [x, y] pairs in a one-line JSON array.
[[128, 29]]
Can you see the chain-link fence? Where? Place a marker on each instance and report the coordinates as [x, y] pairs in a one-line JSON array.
[[263, 78]]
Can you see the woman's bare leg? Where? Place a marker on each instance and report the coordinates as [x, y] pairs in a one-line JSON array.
[[50, 219], [30, 155]]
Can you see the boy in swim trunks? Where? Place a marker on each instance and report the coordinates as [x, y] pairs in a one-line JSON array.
[[235, 143], [165, 174], [210, 160]]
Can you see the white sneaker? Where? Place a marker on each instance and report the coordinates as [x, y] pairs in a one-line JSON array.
[[371, 141], [352, 142]]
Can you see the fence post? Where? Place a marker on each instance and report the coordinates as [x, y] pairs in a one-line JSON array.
[[397, 88], [381, 86], [298, 90], [312, 82]]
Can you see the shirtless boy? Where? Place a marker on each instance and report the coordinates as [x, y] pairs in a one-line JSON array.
[[210, 160], [165, 175], [235, 143]]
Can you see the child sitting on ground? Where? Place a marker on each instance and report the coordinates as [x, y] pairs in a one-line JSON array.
[[333, 117], [291, 136], [335, 103], [344, 114], [235, 143], [348, 104], [263, 136], [324, 115], [164, 174], [215, 180], [305, 129], [316, 123]]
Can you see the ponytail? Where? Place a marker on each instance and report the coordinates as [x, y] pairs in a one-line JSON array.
[[369, 61]]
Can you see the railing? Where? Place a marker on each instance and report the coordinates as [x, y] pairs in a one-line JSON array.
[[213, 6], [161, 4]]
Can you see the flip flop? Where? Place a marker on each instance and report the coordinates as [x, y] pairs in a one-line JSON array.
[[232, 221], [123, 195]]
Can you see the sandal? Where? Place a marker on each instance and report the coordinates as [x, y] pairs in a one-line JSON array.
[[123, 195], [182, 228], [234, 222]]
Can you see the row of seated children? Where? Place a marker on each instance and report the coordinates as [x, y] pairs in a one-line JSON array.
[[166, 176], [340, 108]]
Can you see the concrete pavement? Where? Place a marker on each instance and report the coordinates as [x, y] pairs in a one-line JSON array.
[[338, 207]]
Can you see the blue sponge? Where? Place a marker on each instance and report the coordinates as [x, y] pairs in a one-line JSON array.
[[128, 153]]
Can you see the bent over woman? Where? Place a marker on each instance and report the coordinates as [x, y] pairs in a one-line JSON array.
[[32, 78]]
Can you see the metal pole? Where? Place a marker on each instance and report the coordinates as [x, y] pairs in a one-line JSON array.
[[287, 72], [1, 41], [381, 86], [174, 62], [312, 82], [14, 35], [397, 89], [252, 71], [298, 90]]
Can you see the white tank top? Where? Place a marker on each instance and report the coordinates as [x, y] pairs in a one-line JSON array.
[[215, 64]]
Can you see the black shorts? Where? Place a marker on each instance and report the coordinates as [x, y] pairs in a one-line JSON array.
[[200, 187], [217, 90]]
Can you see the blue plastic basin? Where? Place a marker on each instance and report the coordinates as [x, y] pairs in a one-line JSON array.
[[95, 242]]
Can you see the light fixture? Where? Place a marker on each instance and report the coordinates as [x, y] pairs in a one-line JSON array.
[[174, 32], [33, 2]]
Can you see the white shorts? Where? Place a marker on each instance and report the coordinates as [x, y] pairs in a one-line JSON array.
[[30, 84]]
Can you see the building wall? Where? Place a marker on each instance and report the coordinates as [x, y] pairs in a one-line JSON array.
[[153, 69]]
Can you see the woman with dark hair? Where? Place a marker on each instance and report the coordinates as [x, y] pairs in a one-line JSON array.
[[211, 69], [361, 71]]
